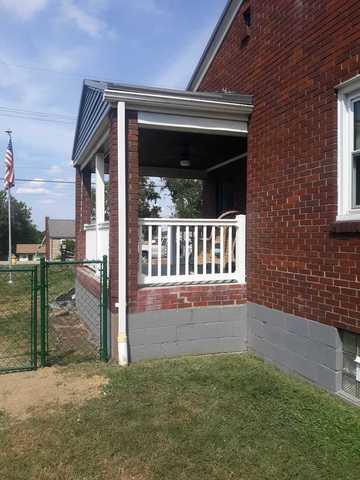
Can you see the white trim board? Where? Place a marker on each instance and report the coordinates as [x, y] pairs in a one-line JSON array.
[[213, 126]]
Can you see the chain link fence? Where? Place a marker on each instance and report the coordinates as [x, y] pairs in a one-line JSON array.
[[18, 318], [56, 311], [74, 311]]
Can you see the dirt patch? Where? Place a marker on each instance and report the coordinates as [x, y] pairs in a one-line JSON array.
[[22, 394]]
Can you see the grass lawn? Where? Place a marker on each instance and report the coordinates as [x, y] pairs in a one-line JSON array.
[[220, 417]]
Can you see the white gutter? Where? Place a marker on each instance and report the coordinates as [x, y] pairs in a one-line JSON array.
[[180, 104], [123, 353]]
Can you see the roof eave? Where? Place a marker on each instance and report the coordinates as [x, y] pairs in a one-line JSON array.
[[178, 103]]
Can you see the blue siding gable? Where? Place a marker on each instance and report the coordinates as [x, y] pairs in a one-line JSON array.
[[92, 110]]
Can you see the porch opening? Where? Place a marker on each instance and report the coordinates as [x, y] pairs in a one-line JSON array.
[[201, 237]]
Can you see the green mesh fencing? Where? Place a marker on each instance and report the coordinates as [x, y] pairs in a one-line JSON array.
[[18, 318], [75, 312]]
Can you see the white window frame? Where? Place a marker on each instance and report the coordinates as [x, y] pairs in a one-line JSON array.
[[348, 94]]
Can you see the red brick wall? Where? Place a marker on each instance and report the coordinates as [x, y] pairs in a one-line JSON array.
[[88, 280], [298, 51], [133, 200], [78, 246], [47, 239], [113, 213], [82, 209], [150, 299], [133, 206]]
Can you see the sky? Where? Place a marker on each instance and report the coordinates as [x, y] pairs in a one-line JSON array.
[[49, 46]]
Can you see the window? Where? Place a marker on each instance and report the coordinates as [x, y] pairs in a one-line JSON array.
[[356, 156], [351, 366], [349, 150]]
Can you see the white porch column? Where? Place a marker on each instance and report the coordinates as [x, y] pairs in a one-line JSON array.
[[241, 248], [100, 188], [100, 199], [122, 215]]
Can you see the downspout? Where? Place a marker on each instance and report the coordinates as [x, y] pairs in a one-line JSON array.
[[123, 351]]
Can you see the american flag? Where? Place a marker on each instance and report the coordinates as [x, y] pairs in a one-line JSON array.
[[9, 179]]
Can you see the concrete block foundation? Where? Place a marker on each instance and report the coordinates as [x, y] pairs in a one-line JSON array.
[[170, 333], [307, 348], [294, 344]]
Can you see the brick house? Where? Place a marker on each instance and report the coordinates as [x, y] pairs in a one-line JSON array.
[[271, 123], [57, 231]]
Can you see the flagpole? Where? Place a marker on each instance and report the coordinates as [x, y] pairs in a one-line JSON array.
[[9, 210], [9, 215]]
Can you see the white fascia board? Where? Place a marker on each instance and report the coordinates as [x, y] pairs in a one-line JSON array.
[[179, 104], [194, 124]]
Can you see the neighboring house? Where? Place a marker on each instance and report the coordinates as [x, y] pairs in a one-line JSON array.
[[271, 123], [29, 252], [56, 233]]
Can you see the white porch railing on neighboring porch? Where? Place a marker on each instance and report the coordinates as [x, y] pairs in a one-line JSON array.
[[191, 250], [96, 240]]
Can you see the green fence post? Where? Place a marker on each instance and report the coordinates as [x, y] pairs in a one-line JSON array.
[[42, 312], [34, 345], [104, 312]]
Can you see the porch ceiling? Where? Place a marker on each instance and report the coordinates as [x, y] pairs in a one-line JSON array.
[[165, 149], [214, 112]]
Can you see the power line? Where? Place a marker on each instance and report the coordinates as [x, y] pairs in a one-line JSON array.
[[34, 180], [12, 109], [41, 69], [29, 117], [60, 119]]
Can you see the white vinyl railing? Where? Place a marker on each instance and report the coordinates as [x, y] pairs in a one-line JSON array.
[[96, 240], [176, 250]]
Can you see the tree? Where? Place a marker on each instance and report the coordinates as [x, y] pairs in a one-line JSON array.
[[148, 198], [22, 228], [186, 195]]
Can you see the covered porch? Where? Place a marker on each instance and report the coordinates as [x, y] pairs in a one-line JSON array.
[[183, 136]]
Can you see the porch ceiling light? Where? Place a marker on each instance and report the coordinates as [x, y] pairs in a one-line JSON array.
[[185, 163]]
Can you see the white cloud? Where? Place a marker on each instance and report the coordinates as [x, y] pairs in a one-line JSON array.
[[86, 22], [23, 9], [33, 188]]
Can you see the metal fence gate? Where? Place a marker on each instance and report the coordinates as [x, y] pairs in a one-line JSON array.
[[56, 313], [18, 318], [73, 309]]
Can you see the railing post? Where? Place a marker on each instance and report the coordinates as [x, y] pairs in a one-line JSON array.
[[241, 248], [42, 312]]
